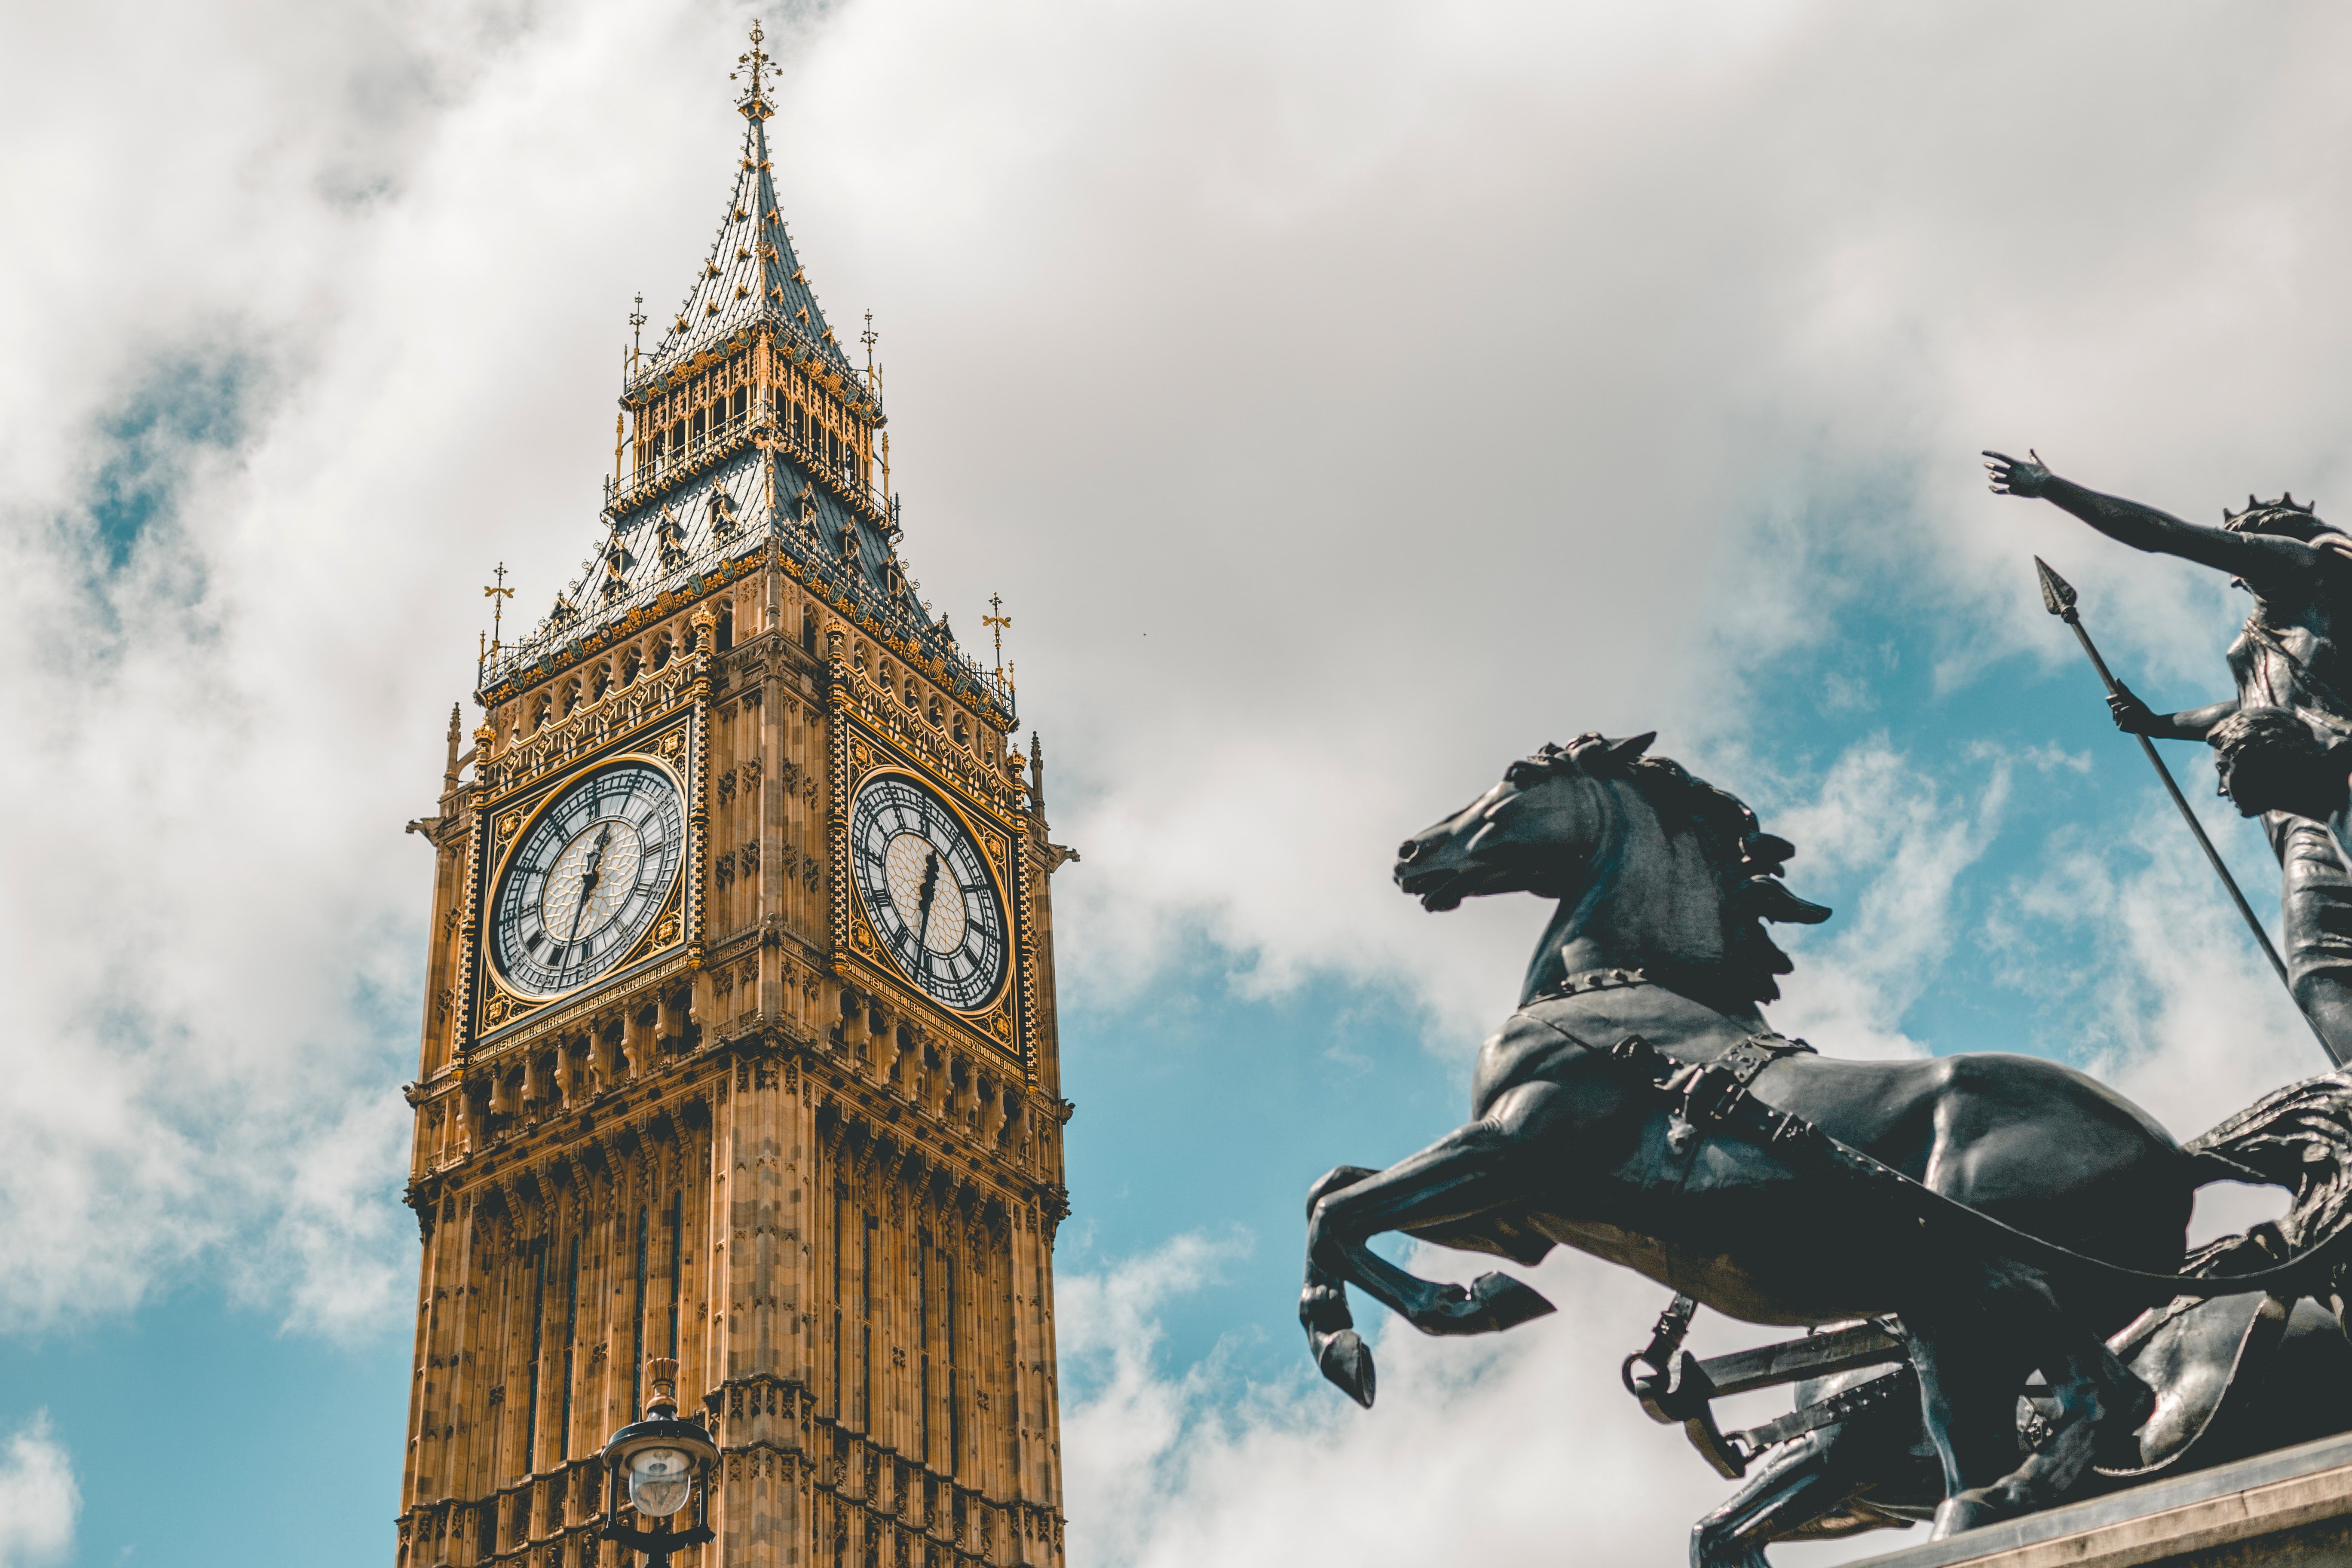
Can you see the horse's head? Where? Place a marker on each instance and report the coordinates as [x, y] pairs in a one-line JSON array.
[[1674, 870], [1532, 833]]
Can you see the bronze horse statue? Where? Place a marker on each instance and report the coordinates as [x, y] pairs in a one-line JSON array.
[[1637, 1108]]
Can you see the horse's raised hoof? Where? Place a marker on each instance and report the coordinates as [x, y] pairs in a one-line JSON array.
[[1346, 1361], [1509, 1302], [1493, 1302], [1970, 1510]]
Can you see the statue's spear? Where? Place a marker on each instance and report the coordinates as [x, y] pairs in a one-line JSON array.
[[2058, 598]]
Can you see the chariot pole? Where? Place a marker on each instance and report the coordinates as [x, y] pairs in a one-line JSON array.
[[2058, 598]]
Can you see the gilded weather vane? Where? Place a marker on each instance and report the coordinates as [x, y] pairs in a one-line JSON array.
[[497, 597], [996, 624], [754, 63]]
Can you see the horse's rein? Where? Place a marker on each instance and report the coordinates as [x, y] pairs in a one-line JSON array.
[[1716, 1096]]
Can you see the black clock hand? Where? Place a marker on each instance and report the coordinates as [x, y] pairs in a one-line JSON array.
[[588, 880], [923, 915]]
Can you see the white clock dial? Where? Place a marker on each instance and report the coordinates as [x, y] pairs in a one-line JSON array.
[[592, 872], [926, 892]]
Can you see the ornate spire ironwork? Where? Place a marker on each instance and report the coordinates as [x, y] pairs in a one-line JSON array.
[[996, 623], [754, 63], [746, 393], [498, 597]]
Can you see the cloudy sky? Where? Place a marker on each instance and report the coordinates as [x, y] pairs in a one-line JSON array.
[[1344, 399]]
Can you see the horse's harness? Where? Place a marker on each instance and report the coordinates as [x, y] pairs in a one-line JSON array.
[[1679, 1389], [1714, 1097]]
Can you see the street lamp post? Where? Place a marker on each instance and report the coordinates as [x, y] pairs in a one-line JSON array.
[[660, 1460]]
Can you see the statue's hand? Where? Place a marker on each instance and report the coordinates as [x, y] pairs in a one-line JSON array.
[[2132, 716], [2012, 477]]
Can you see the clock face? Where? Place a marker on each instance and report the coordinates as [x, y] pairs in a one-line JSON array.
[[588, 878], [926, 892]]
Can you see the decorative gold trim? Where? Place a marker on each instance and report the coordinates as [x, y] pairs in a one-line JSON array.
[[906, 734], [652, 752], [613, 718], [980, 834], [667, 930], [574, 1009], [505, 1006]]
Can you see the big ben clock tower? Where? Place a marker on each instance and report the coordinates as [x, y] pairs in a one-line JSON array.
[[738, 1043]]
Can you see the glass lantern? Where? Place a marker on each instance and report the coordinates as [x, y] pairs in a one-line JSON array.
[[662, 1463]]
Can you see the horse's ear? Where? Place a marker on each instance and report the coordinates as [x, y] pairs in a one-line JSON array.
[[1768, 898], [1632, 746], [1578, 755]]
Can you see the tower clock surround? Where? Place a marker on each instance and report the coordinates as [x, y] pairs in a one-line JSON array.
[[589, 874], [926, 889], [739, 1106]]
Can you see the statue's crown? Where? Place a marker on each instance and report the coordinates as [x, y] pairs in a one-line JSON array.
[[2284, 515]]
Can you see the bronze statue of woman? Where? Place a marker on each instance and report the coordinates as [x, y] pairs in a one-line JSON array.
[[2292, 654]]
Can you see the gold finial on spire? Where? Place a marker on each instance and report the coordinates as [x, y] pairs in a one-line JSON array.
[[756, 64], [498, 597], [996, 624], [870, 337]]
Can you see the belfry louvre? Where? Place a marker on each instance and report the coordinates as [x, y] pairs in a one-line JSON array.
[[738, 1043]]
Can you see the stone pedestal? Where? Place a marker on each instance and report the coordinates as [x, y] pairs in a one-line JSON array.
[[2292, 1509]]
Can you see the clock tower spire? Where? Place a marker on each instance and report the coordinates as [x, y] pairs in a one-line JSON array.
[[740, 1043]]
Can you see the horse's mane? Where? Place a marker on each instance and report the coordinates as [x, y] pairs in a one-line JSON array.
[[1745, 860]]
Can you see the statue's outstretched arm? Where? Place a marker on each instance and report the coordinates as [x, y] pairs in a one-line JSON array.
[[2267, 561]]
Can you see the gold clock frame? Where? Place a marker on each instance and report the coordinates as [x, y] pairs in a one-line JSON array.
[[671, 743], [862, 924], [1006, 1024]]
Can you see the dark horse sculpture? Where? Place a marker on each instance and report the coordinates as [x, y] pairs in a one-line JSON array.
[[1663, 883]]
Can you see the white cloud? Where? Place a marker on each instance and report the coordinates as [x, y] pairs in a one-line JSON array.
[[2196, 1024], [1515, 1445], [38, 1500], [1910, 836]]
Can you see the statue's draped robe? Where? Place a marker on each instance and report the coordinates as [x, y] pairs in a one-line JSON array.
[[2294, 653]]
